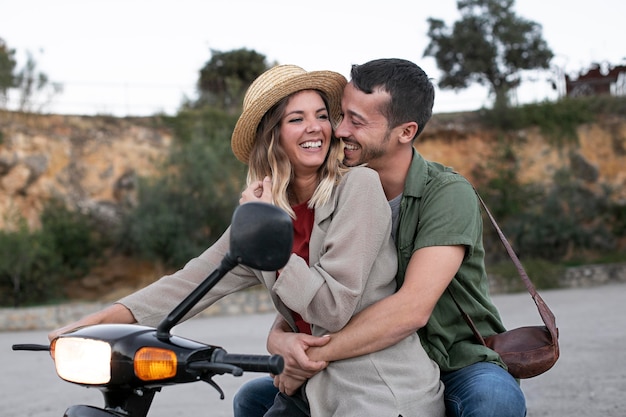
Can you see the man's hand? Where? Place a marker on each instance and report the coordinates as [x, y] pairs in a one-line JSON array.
[[258, 191], [293, 348], [298, 367]]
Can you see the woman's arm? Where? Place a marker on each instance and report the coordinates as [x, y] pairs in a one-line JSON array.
[[115, 313]]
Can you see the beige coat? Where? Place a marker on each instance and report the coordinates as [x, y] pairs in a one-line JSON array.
[[352, 265]]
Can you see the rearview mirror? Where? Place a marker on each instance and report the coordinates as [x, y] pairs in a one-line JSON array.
[[261, 236]]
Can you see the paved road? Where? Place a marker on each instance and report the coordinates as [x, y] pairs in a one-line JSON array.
[[589, 379]]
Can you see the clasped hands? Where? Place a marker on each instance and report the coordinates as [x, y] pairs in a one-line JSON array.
[[295, 349]]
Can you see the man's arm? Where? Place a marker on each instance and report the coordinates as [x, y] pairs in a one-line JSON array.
[[392, 319], [379, 326]]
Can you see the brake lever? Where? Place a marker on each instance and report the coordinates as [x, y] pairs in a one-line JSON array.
[[216, 368], [209, 380], [213, 369]]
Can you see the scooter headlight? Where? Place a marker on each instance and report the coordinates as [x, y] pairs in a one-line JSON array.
[[83, 361]]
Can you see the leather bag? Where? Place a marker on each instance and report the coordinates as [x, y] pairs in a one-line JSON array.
[[526, 351]]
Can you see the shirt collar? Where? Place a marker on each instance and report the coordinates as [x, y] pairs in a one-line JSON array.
[[417, 176]]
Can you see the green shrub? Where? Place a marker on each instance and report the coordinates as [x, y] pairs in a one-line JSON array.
[[559, 223], [558, 120], [29, 269], [184, 211], [34, 264], [72, 235]]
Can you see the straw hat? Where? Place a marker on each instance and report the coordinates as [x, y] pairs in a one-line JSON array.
[[271, 87]]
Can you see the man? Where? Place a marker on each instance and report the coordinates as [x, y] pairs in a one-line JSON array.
[[438, 234]]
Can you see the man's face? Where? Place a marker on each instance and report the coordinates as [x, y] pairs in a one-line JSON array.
[[363, 129]]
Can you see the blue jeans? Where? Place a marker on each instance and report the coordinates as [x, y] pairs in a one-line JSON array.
[[482, 389], [255, 397]]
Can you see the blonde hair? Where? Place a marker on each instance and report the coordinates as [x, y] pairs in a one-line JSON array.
[[268, 158]]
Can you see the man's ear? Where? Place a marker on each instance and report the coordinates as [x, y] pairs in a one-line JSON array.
[[407, 132]]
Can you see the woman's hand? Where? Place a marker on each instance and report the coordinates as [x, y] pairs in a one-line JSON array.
[[116, 313], [288, 385], [258, 191]]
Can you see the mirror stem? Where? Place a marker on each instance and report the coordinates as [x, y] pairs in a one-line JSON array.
[[176, 315]]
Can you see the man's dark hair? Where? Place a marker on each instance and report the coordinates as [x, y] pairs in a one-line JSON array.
[[412, 93]]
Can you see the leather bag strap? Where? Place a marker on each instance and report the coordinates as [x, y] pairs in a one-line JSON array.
[[467, 319], [544, 311]]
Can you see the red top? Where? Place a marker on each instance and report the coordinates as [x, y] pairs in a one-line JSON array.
[[302, 227]]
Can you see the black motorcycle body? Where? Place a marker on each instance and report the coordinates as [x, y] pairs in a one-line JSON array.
[[129, 364]]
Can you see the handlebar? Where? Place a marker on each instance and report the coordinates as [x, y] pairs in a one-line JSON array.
[[273, 364]]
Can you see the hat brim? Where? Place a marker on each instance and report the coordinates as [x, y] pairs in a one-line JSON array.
[[329, 82]]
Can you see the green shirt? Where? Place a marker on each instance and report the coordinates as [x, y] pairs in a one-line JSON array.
[[439, 208]]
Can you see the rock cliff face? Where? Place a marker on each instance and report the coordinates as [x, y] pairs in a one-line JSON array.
[[598, 157], [93, 163]]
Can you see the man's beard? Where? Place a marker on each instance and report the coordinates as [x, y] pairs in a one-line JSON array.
[[371, 153]]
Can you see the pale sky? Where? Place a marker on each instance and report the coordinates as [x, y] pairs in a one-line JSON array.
[[140, 57]]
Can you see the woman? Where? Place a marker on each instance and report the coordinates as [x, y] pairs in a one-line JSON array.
[[343, 257]]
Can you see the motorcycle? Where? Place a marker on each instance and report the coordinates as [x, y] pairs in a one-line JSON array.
[[129, 364]]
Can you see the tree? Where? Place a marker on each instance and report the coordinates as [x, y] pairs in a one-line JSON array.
[[225, 78], [490, 46], [28, 81], [7, 66]]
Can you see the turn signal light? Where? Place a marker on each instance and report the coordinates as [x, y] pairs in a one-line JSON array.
[[152, 364]]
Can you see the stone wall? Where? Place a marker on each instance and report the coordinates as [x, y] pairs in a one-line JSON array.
[[591, 275], [251, 301]]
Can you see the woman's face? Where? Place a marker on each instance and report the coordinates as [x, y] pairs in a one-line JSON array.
[[305, 131]]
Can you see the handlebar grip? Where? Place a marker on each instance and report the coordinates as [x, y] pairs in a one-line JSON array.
[[30, 346], [273, 364]]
